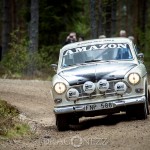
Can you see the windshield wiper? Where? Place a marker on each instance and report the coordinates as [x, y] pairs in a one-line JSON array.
[[93, 60]]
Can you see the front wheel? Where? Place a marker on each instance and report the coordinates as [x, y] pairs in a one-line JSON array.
[[62, 122], [142, 111], [138, 111], [148, 96]]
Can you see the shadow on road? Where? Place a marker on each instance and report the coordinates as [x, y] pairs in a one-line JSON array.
[[109, 120]]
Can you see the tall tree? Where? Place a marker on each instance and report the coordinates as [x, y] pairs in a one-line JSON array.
[[113, 17], [34, 24], [93, 19], [100, 18], [6, 25], [108, 18], [34, 31], [13, 14]]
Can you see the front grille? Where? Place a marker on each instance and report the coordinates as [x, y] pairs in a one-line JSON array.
[[110, 92]]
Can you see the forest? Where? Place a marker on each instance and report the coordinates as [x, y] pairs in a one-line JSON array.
[[33, 31]]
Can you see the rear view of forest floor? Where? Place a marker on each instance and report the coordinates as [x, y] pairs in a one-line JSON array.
[[33, 99]]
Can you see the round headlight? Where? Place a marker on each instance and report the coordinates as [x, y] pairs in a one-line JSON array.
[[72, 94], [103, 85], [60, 87], [134, 78], [120, 88], [88, 87]]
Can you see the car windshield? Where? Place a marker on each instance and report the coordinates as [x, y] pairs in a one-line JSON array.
[[109, 53]]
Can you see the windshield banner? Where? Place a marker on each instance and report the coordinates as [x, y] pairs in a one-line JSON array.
[[95, 47]]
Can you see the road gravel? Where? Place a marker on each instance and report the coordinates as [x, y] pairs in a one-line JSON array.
[[33, 99]]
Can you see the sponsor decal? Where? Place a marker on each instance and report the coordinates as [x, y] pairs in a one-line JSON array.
[[72, 94], [120, 87], [103, 85], [95, 47], [89, 87]]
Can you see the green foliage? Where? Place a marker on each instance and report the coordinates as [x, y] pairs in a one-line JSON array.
[[147, 42], [82, 29], [49, 54], [7, 110], [9, 128], [144, 44], [57, 19], [141, 37], [16, 62], [16, 59], [18, 130]]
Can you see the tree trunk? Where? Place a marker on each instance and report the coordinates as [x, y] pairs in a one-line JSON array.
[[6, 25], [113, 17], [34, 26], [144, 12], [100, 21], [119, 18], [33, 46], [93, 18], [108, 18], [13, 14]]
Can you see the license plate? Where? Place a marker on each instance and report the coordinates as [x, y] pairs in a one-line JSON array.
[[99, 106]]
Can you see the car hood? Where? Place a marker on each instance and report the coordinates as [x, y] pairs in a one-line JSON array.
[[95, 72]]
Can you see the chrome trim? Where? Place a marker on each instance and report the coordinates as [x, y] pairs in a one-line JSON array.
[[116, 103]]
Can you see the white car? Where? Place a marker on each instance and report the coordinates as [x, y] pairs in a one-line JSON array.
[[99, 77]]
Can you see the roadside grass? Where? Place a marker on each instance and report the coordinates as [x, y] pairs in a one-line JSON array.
[[10, 126], [18, 130], [42, 74]]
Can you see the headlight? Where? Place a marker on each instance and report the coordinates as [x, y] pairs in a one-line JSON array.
[[103, 85], [120, 88], [72, 94], [134, 78], [88, 87], [60, 87]]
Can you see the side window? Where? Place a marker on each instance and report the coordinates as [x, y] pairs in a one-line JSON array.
[[136, 49], [67, 60]]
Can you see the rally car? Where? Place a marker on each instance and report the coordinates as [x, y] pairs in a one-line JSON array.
[[99, 77]]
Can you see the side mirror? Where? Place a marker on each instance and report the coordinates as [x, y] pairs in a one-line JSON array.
[[141, 56], [54, 66]]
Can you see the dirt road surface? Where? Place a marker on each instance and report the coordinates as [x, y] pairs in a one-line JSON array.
[[34, 100]]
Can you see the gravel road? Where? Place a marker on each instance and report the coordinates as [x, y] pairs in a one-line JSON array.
[[34, 101]]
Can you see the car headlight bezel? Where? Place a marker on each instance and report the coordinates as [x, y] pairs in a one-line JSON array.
[[60, 88], [134, 78]]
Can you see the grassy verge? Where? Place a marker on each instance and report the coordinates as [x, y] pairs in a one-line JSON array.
[[43, 74], [10, 127]]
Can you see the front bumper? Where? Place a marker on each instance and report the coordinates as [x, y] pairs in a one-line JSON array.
[[117, 104]]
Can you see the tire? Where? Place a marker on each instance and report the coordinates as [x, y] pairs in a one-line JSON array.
[[143, 112], [138, 111], [148, 96], [62, 122], [147, 107], [74, 120], [130, 111]]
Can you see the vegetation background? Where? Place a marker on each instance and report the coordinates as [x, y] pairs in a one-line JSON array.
[[33, 31]]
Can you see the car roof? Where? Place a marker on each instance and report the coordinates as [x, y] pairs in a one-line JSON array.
[[96, 41]]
